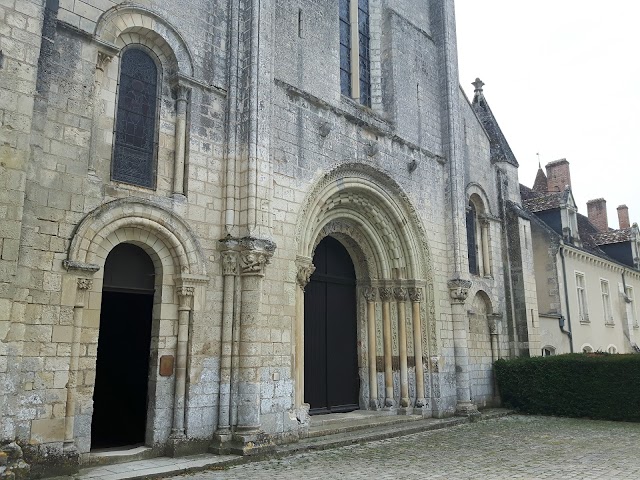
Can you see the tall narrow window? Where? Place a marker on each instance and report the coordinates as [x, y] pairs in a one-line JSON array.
[[606, 302], [345, 48], [582, 298], [355, 58], [135, 136], [472, 241]]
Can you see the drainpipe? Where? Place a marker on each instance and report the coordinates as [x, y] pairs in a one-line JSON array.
[[566, 297]]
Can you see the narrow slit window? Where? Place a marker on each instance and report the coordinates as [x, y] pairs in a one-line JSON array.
[[355, 53]]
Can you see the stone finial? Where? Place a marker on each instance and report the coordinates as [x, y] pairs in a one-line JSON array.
[[478, 84]]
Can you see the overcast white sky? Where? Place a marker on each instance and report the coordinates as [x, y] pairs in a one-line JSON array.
[[563, 80]]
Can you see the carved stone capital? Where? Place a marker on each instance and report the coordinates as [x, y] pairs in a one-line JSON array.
[[493, 322], [386, 293], [229, 263], [415, 294], [400, 293], [305, 270], [370, 294], [85, 284], [103, 60], [253, 262], [459, 290], [185, 291]]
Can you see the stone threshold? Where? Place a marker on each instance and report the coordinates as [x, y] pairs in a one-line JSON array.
[[333, 431]]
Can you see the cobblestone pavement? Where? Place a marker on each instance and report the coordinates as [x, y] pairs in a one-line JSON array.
[[507, 448]]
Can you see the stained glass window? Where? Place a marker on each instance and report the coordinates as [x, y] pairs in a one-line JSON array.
[[135, 136], [364, 37], [345, 48]]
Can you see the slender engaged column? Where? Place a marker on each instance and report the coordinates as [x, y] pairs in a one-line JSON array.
[[416, 298], [459, 291], [495, 349], [485, 247], [101, 65], [229, 272], [182, 94], [370, 296], [385, 296], [83, 285], [185, 296], [401, 299], [305, 270]]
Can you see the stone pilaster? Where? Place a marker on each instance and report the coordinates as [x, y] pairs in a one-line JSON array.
[[102, 62], [248, 438], [182, 94], [83, 286], [178, 437], [370, 297], [230, 270], [304, 270], [415, 294], [386, 294], [401, 296], [458, 292]]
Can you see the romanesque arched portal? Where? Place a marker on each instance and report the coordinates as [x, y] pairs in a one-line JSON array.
[[369, 215]]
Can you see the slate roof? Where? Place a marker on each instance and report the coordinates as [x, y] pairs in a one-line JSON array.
[[613, 236], [545, 201], [499, 147], [541, 185]]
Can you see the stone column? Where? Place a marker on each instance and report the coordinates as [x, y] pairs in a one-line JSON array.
[[385, 296], [459, 291], [484, 239], [416, 298], [400, 294], [370, 296], [182, 95], [495, 349], [185, 297], [96, 124], [229, 273], [83, 285], [248, 439], [303, 275]]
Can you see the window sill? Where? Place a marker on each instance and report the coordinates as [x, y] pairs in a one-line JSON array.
[[585, 322], [610, 325]]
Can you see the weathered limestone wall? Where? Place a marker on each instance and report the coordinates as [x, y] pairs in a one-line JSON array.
[[20, 40]]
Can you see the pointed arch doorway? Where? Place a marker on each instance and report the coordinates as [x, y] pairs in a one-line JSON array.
[[330, 332], [124, 341]]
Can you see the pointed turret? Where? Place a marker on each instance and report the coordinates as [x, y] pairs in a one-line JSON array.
[[540, 185]]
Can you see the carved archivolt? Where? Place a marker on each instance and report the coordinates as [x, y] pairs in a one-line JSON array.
[[136, 215], [382, 211]]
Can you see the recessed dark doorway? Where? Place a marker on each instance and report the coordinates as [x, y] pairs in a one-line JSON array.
[[331, 382], [122, 367]]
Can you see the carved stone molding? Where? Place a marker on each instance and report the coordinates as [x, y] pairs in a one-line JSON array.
[[415, 294], [305, 270], [229, 263], [400, 294], [85, 284], [386, 293], [459, 290], [369, 294], [185, 291]]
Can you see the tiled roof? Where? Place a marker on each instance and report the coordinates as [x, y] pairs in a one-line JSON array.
[[546, 201], [541, 185], [613, 236]]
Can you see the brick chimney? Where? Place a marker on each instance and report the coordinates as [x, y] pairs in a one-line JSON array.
[[623, 216], [597, 212], [558, 175]]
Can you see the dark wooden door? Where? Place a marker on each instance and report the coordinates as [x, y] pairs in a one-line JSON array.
[[330, 333]]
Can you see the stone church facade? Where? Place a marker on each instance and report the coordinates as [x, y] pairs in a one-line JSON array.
[[221, 217]]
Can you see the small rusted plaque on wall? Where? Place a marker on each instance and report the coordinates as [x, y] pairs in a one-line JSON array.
[[166, 365]]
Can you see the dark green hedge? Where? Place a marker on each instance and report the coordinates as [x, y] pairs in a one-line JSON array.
[[577, 385]]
